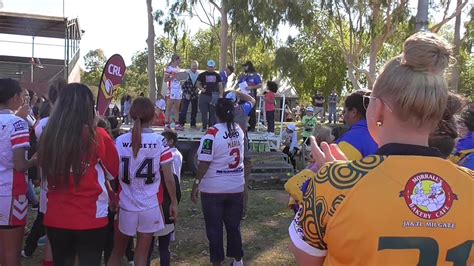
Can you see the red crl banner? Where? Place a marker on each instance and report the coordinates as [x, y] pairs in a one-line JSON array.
[[112, 77]]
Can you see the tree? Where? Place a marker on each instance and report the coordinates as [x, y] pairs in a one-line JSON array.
[[360, 28], [456, 51], [257, 19], [151, 45], [94, 60], [312, 63]]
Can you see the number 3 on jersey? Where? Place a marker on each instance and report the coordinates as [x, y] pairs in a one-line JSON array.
[[145, 170], [235, 152]]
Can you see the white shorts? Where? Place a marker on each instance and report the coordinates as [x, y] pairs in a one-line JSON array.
[[149, 221], [176, 94]]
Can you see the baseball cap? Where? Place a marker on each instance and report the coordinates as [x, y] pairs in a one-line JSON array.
[[211, 63], [161, 104], [231, 96], [309, 109], [292, 127]]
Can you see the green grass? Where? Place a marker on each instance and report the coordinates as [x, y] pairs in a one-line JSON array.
[[264, 232]]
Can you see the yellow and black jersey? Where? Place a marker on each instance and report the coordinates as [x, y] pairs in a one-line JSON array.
[[403, 206]]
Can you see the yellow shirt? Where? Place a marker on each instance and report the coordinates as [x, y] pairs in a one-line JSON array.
[[395, 210]]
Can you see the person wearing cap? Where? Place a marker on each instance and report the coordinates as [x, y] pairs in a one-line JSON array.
[[210, 84], [243, 104], [160, 118], [190, 96], [290, 141], [309, 124], [254, 82]]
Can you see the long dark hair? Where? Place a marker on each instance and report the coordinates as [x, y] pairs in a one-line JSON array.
[[69, 140], [141, 111], [225, 113]]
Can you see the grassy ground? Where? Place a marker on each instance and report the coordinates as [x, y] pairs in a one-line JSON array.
[[264, 232]]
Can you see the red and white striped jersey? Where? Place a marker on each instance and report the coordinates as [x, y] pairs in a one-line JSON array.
[[140, 177], [13, 135], [13, 203]]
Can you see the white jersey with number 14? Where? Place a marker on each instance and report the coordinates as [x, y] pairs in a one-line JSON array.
[[140, 177]]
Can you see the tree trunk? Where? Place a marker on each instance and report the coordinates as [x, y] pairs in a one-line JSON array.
[[422, 15], [457, 46], [350, 72], [151, 52], [224, 34]]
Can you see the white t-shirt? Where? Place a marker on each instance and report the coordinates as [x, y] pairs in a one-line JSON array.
[[140, 177], [39, 127], [177, 162], [174, 84], [226, 153]]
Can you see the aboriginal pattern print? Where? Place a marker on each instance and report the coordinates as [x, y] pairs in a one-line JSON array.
[[338, 200], [313, 212], [344, 175], [341, 177]]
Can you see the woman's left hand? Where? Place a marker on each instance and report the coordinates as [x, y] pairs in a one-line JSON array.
[[327, 153], [195, 194]]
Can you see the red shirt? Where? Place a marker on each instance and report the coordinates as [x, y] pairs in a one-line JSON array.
[[85, 206], [159, 120], [269, 101]]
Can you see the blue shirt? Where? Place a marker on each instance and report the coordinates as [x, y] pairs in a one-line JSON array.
[[466, 143], [357, 142], [224, 78], [252, 79]]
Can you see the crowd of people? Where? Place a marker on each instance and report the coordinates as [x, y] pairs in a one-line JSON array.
[[400, 174]]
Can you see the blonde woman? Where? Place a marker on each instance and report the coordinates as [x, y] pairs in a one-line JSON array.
[[403, 206]]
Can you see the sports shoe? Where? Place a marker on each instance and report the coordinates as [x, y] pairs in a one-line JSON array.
[[42, 241], [131, 263], [23, 254], [244, 215], [204, 129], [237, 263]]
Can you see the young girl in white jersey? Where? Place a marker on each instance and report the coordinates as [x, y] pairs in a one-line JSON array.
[[166, 235], [175, 93], [142, 153], [14, 143]]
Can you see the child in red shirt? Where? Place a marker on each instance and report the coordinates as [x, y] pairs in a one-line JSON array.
[[269, 97], [160, 117]]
